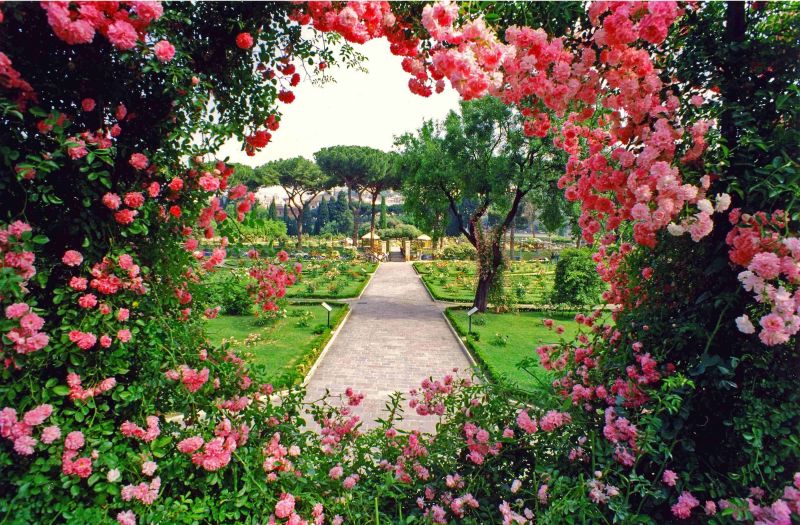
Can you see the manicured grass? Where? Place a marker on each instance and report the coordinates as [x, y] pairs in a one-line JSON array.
[[288, 346], [529, 282], [332, 279], [506, 339]]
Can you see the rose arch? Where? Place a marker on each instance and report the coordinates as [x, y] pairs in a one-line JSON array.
[[116, 407]]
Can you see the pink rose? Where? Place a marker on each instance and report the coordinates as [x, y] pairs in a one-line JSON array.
[[72, 258], [164, 51]]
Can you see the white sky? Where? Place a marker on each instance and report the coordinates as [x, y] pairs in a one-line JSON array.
[[360, 109]]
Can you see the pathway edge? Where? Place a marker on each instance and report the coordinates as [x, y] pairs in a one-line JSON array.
[[464, 348], [328, 345], [367, 283]]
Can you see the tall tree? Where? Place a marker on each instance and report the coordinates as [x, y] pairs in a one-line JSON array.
[[272, 213], [384, 221], [481, 155], [322, 217], [350, 166], [302, 181], [380, 178]]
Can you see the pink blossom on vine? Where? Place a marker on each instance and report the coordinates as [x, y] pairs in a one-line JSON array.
[[164, 51]]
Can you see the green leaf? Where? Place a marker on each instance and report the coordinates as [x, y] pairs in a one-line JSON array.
[[61, 390]]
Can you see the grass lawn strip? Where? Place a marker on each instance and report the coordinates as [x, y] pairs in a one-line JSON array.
[[506, 339], [288, 347]]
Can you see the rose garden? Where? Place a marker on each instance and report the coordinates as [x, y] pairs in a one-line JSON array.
[[600, 323]]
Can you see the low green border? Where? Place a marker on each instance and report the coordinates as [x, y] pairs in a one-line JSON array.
[[308, 360]]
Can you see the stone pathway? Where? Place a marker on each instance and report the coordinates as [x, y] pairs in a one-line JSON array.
[[394, 338]]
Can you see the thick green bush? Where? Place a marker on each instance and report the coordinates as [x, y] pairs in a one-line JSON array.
[[576, 280], [229, 292], [461, 251]]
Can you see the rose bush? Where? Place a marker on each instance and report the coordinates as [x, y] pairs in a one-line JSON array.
[[114, 407]]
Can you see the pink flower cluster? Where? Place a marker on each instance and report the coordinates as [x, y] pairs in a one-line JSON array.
[[271, 282], [146, 493], [473, 66], [132, 430], [26, 337], [429, 400], [11, 79], [623, 434], [772, 275], [20, 432], [549, 422], [76, 391], [600, 492], [13, 252], [192, 379], [77, 24], [479, 443], [82, 467], [216, 453], [511, 517], [277, 458]]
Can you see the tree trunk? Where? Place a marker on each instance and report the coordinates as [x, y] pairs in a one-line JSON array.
[[487, 271]]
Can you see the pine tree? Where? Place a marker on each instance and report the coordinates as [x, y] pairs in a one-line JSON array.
[[384, 221], [272, 214]]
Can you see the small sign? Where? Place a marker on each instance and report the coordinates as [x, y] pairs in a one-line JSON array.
[[472, 311], [327, 306]]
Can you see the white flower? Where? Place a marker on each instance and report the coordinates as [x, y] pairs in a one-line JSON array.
[[515, 486], [113, 475], [675, 229], [705, 205], [744, 325], [723, 202]]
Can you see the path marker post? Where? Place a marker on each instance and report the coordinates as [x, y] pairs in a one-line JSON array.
[[470, 313], [328, 308]]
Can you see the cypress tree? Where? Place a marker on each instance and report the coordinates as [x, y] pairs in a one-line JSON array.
[[342, 212], [323, 216], [272, 214], [308, 219], [384, 221]]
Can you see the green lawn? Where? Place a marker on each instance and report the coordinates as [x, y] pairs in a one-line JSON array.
[[506, 339], [529, 282], [288, 346], [332, 279]]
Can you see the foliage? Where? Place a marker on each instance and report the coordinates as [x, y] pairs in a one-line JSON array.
[[401, 231], [460, 251], [483, 156], [228, 291], [576, 281]]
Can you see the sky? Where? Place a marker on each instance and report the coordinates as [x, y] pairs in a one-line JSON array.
[[360, 109]]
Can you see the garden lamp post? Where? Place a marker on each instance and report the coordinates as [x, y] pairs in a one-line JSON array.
[[470, 313], [328, 309]]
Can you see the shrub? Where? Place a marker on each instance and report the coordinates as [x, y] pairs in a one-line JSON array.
[[576, 279], [462, 251], [230, 293]]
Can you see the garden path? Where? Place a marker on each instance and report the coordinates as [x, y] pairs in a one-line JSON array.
[[394, 338]]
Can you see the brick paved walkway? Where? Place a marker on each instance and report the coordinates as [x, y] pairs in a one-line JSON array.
[[394, 338]]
